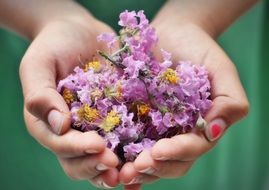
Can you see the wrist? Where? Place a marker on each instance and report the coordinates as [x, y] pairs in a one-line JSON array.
[[62, 12], [171, 17], [211, 16]]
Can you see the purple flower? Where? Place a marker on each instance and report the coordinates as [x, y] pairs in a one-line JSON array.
[[133, 149], [103, 105], [162, 123], [134, 89], [134, 99], [166, 59], [127, 134], [132, 67], [109, 38], [112, 140], [168, 119], [143, 21], [156, 118], [128, 19]]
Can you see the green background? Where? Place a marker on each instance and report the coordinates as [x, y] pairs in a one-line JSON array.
[[239, 162]]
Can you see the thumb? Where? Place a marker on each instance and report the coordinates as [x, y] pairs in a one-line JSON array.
[[230, 103], [38, 78], [224, 112]]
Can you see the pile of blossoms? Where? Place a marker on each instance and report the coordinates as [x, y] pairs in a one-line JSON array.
[[129, 97]]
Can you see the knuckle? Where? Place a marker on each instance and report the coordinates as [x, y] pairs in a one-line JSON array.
[[182, 173], [30, 101], [68, 169], [92, 172], [23, 65], [184, 144], [244, 107], [166, 171], [69, 172], [175, 169], [37, 104], [183, 170], [59, 150]]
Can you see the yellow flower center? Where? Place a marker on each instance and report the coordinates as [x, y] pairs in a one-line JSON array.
[[68, 96], [114, 92], [170, 75], [95, 65], [143, 109], [119, 91], [110, 121], [96, 93], [87, 113]]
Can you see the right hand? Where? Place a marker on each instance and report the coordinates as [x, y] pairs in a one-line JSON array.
[[173, 157], [53, 55]]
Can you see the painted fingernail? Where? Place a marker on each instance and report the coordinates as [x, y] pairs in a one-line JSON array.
[[148, 171], [101, 167], [101, 184], [215, 129], [56, 120], [136, 180]]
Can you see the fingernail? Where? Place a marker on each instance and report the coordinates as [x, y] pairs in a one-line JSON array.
[[162, 158], [215, 129], [148, 171], [103, 185], [90, 151], [136, 180], [56, 119], [106, 186], [101, 167], [201, 123]]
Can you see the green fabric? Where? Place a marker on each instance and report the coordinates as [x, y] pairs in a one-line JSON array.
[[239, 162]]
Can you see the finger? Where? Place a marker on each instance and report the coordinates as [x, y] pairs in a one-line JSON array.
[[38, 77], [89, 166], [132, 187], [71, 144], [229, 99], [224, 112], [130, 176], [145, 164], [107, 180], [185, 147]]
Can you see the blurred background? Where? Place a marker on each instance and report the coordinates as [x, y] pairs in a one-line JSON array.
[[241, 159]]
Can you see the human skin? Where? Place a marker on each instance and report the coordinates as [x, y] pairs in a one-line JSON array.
[[62, 31], [190, 33]]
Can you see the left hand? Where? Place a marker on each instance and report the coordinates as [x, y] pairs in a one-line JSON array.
[[51, 56], [173, 157]]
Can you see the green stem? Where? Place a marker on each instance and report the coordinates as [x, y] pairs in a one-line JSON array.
[[125, 47], [109, 58]]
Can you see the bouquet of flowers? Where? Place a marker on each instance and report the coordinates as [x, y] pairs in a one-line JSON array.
[[131, 98]]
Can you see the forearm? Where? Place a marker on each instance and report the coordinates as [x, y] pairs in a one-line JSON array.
[[27, 17], [214, 16]]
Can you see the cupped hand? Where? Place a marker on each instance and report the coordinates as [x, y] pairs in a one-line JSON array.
[[173, 157], [60, 46]]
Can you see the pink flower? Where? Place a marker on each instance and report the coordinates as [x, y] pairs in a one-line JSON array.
[[109, 38], [138, 99], [128, 19]]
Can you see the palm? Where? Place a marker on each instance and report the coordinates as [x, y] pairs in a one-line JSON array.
[[70, 44]]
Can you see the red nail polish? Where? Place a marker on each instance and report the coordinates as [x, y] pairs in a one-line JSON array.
[[216, 131]]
